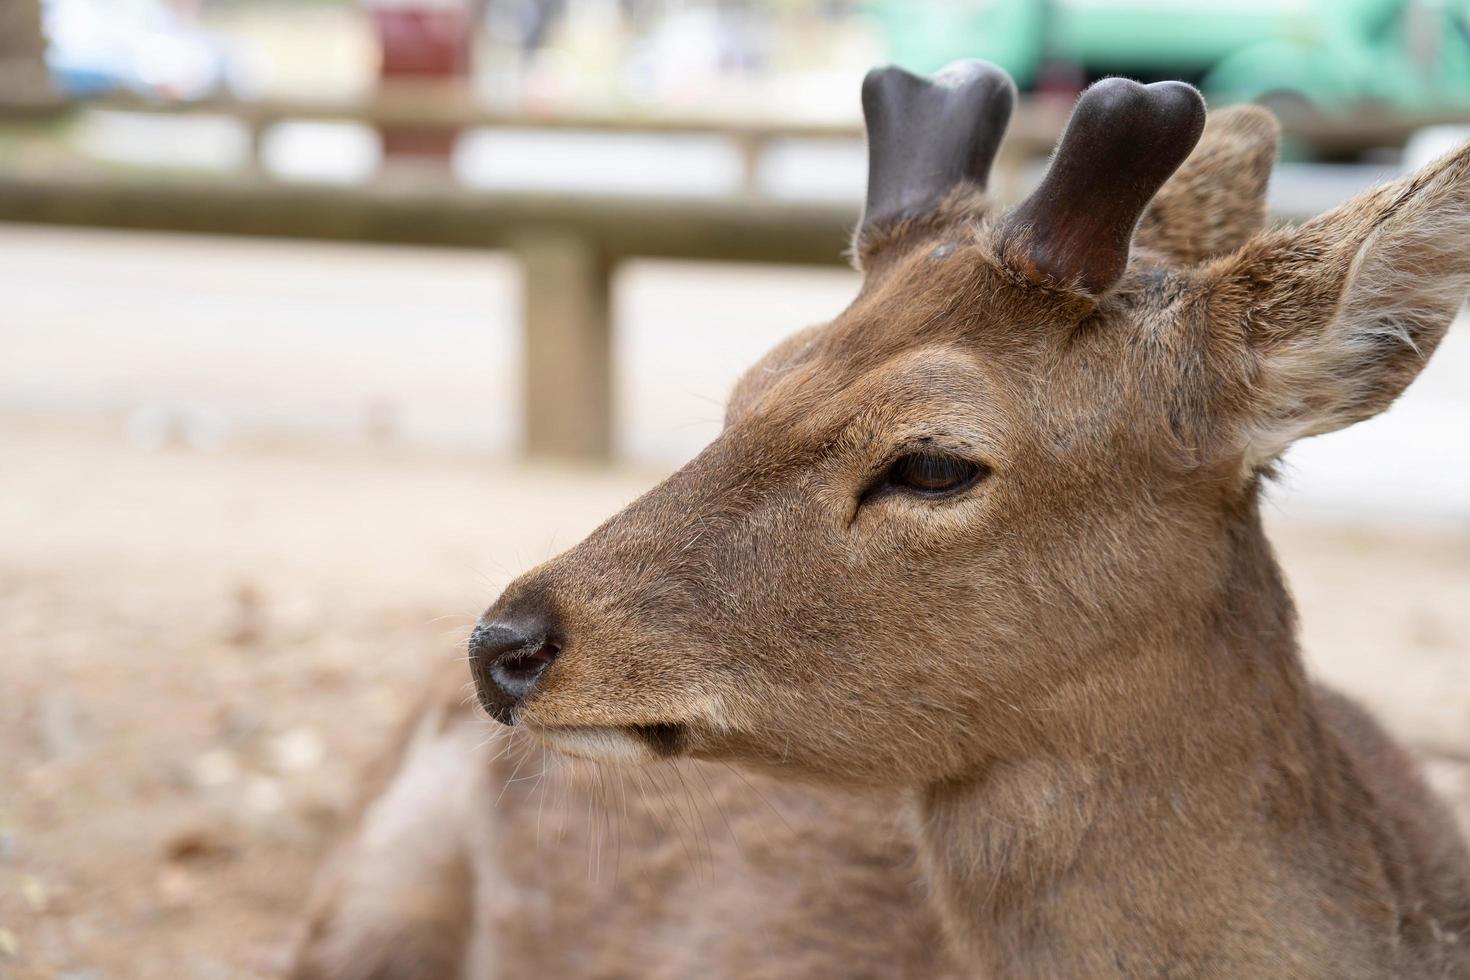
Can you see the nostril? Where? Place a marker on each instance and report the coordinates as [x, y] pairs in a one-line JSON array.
[[526, 662], [507, 659], [515, 672]]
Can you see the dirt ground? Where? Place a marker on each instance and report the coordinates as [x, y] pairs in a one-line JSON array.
[[198, 650]]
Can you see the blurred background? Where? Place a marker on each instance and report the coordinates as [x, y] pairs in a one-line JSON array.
[[320, 320]]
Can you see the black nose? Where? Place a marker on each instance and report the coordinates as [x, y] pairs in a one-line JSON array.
[[507, 658]]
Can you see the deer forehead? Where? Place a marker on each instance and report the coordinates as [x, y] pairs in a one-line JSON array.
[[835, 402], [1004, 381]]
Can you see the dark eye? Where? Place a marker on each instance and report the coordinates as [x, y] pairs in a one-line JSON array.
[[933, 474]]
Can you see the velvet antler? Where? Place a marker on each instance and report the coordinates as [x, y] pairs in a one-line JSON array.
[[1121, 144], [928, 136]]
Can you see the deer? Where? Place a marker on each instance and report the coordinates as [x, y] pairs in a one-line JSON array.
[[966, 623]]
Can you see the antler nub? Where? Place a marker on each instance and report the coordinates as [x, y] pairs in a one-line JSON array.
[[926, 136], [1122, 142]]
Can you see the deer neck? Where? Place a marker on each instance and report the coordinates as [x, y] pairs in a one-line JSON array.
[[1141, 830]]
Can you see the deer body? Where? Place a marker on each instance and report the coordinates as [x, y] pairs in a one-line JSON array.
[[984, 552]]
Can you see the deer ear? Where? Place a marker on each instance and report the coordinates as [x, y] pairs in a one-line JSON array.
[[1332, 320], [928, 138], [1216, 200], [1122, 142]]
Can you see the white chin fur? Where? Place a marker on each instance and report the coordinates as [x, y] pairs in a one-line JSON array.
[[612, 745]]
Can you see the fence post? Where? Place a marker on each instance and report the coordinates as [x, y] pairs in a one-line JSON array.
[[751, 148], [25, 82], [568, 346]]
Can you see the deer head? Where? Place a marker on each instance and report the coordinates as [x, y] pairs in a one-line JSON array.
[[948, 526]]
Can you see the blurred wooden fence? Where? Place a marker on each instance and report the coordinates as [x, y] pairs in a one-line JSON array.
[[567, 244]]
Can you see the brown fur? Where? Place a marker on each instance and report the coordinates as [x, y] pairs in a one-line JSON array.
[[1077, 684]]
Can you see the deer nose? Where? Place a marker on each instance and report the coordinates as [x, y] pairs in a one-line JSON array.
[[507, 658]]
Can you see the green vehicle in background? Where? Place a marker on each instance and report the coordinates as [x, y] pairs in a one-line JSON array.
[[1334, 55]]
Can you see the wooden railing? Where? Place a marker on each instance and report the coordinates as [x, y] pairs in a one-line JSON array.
[[449, 107], [567, 246]]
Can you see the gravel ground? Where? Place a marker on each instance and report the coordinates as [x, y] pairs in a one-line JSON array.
[[200, 649]]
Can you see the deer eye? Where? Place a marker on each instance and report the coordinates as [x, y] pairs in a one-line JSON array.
[[933, 474]]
